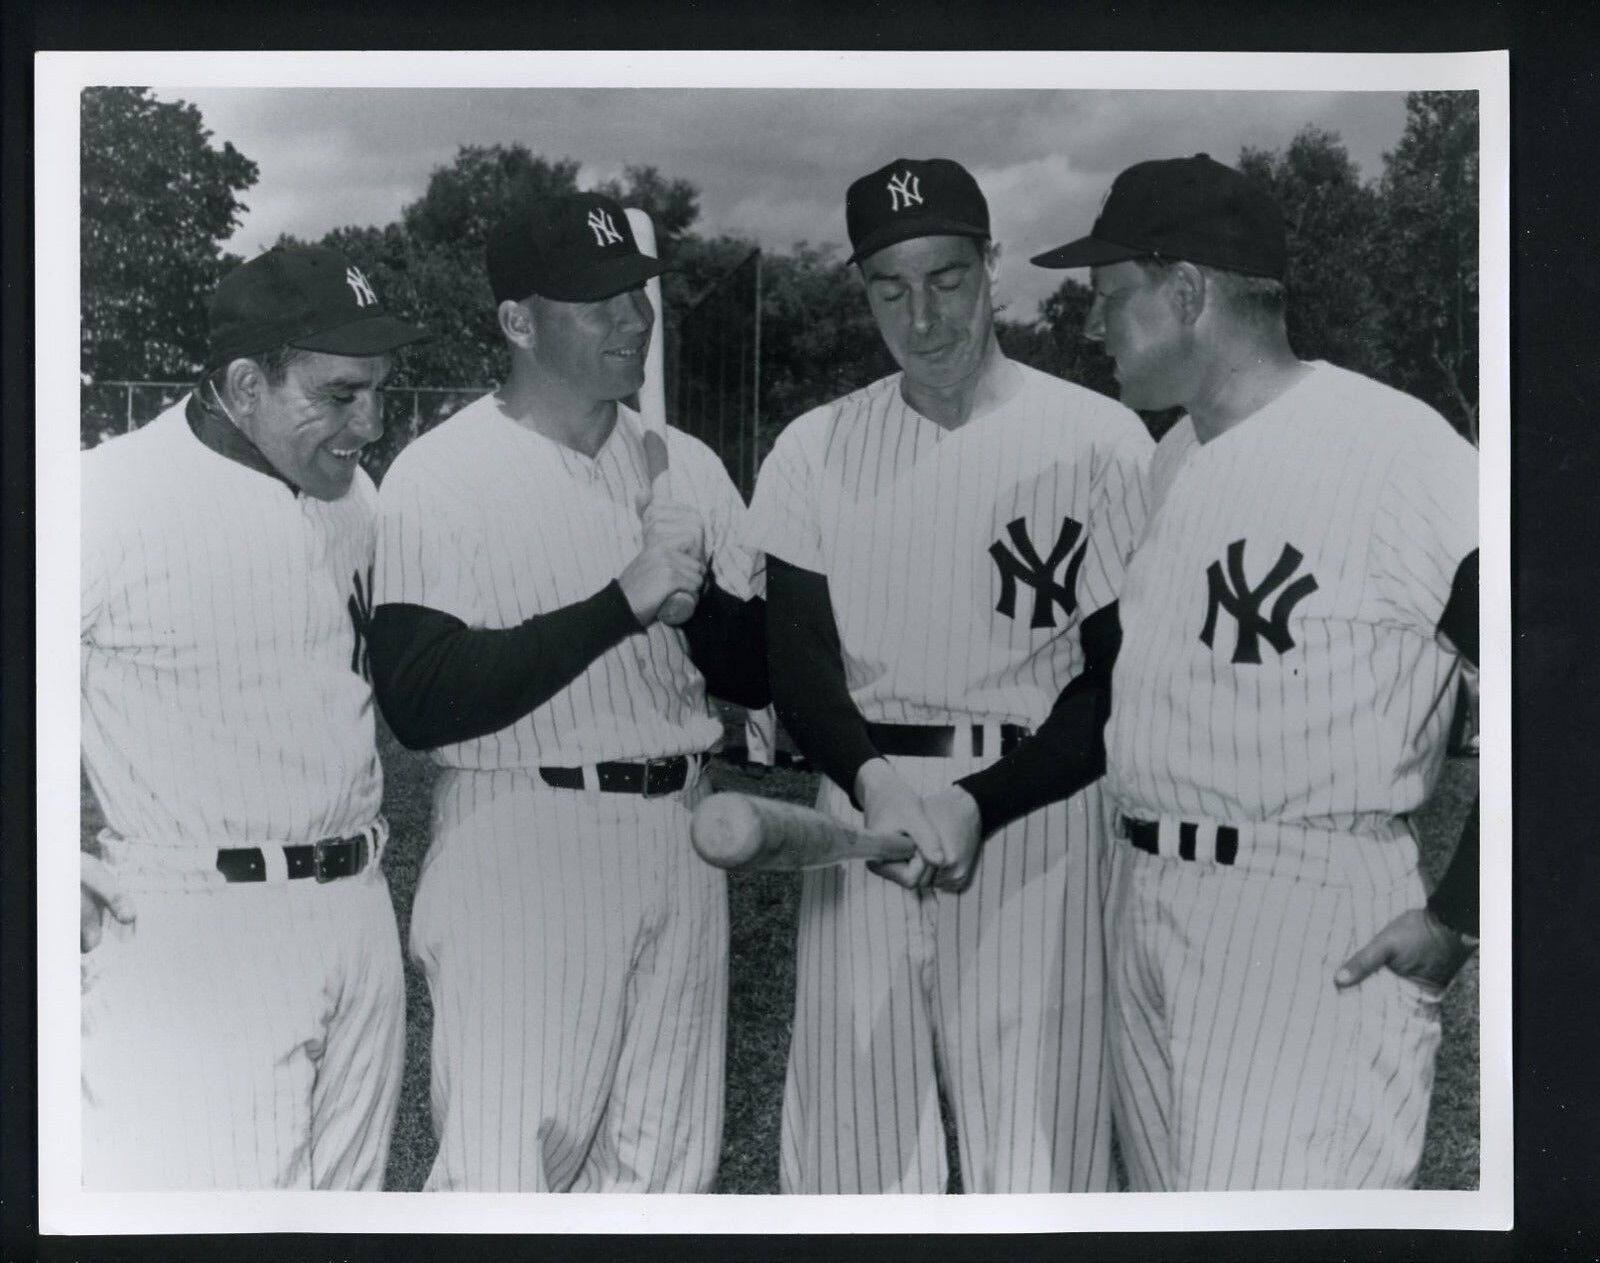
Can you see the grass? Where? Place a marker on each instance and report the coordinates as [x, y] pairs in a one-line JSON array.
[[761, 987]]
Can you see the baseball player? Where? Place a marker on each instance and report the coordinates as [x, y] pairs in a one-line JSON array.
[[243, 1005], [943, 554], [1295, 621], [574, 945]]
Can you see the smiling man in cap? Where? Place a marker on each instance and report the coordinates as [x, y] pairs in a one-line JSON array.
[[943, 552], [1295, 622], [243, 1005], [575, 946]]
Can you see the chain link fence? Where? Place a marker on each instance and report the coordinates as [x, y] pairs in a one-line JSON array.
[[110, 408]]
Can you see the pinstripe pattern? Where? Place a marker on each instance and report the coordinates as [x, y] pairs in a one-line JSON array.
[[1298, 1085], [489, 521], [579, 1018], [218, 699], [249, 1036], [1002, 984], [574, 945], [1236, 1063], [238, 1036], [1347, 730]]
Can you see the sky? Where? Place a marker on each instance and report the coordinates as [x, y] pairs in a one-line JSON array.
[[772, 165]]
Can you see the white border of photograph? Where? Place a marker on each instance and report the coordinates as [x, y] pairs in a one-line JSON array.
[[66, 1208]]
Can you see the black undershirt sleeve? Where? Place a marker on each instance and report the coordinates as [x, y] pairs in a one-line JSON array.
[[728, 644], [1455, 900], [439, 681], [809, 690], [1068, 751]]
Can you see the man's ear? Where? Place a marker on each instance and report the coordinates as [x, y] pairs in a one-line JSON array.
[[991, 262], [516, 323], [1189, 290], [243, 381]]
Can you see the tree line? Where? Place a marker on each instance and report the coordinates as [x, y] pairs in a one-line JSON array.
[[1383, 273]]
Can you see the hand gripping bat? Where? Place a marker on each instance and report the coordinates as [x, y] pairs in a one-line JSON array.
[[741, 831], [652, 399]]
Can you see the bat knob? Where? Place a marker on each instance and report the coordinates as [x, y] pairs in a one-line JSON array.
[[677, 609]]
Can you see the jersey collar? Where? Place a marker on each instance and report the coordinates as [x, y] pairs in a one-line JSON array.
[[226, 439]]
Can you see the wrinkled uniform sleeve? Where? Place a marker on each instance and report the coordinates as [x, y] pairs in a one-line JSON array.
[[784, 520], [1116, 515]]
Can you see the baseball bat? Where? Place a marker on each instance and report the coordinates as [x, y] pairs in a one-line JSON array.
[[741, 831], [677, 608]]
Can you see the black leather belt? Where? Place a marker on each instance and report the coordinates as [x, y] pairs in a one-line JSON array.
[[328, 860], [650, 777], [939, 741], [1146, 835]]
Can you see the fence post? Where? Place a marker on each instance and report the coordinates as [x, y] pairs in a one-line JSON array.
[[755, 409], [128, 387]]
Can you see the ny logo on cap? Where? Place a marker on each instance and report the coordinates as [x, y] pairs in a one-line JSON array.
[[359, 287], [905, 190], [605, 232]]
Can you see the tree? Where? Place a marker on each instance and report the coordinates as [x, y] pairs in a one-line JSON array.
[[157, 201], [1335, 310], [1428, 255], [429, 267], [674, 205], [1054, 343]]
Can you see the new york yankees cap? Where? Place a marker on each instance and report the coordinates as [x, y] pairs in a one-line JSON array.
[[1183, 208], [913, 197], [301, 296], [573, 249]]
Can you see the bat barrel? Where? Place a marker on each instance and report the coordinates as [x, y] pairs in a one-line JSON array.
[[726, 831]]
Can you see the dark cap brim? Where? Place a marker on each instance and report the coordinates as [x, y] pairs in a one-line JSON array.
[[376, 335], [603, 280], [1088, 252], [920, 226]]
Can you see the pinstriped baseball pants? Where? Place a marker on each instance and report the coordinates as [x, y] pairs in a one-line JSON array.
[[1001, 987], [1236, 1063], [576, 950], [244, 1036]]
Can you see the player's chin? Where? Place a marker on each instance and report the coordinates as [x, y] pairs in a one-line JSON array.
[[626, 372], [332, 474]]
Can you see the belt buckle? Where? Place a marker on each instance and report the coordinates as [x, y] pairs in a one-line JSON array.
[[644, 790], [319, 852]]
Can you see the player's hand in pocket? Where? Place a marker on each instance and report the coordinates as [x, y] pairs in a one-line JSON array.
[[955, 814], [1417, 946], [99, 895], [892, 806]]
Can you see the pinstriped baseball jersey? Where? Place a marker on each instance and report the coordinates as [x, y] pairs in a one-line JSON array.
[[575, 946], [1279, 658], [225, 705], [956, 559], [959, 564], [1280, 672], [536, 526], [222, 618]]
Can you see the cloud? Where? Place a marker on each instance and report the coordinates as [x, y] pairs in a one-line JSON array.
[[770, 164]]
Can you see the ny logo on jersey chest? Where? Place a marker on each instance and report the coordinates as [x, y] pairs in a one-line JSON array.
[[360, 607], [1026, 565], [1231, 591]]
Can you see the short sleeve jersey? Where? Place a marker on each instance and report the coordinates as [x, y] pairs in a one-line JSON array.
[[225, 685], [1279, 657], [489, 521], [959, 563]]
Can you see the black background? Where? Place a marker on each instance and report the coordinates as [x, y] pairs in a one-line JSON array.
[[1555, 521]]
